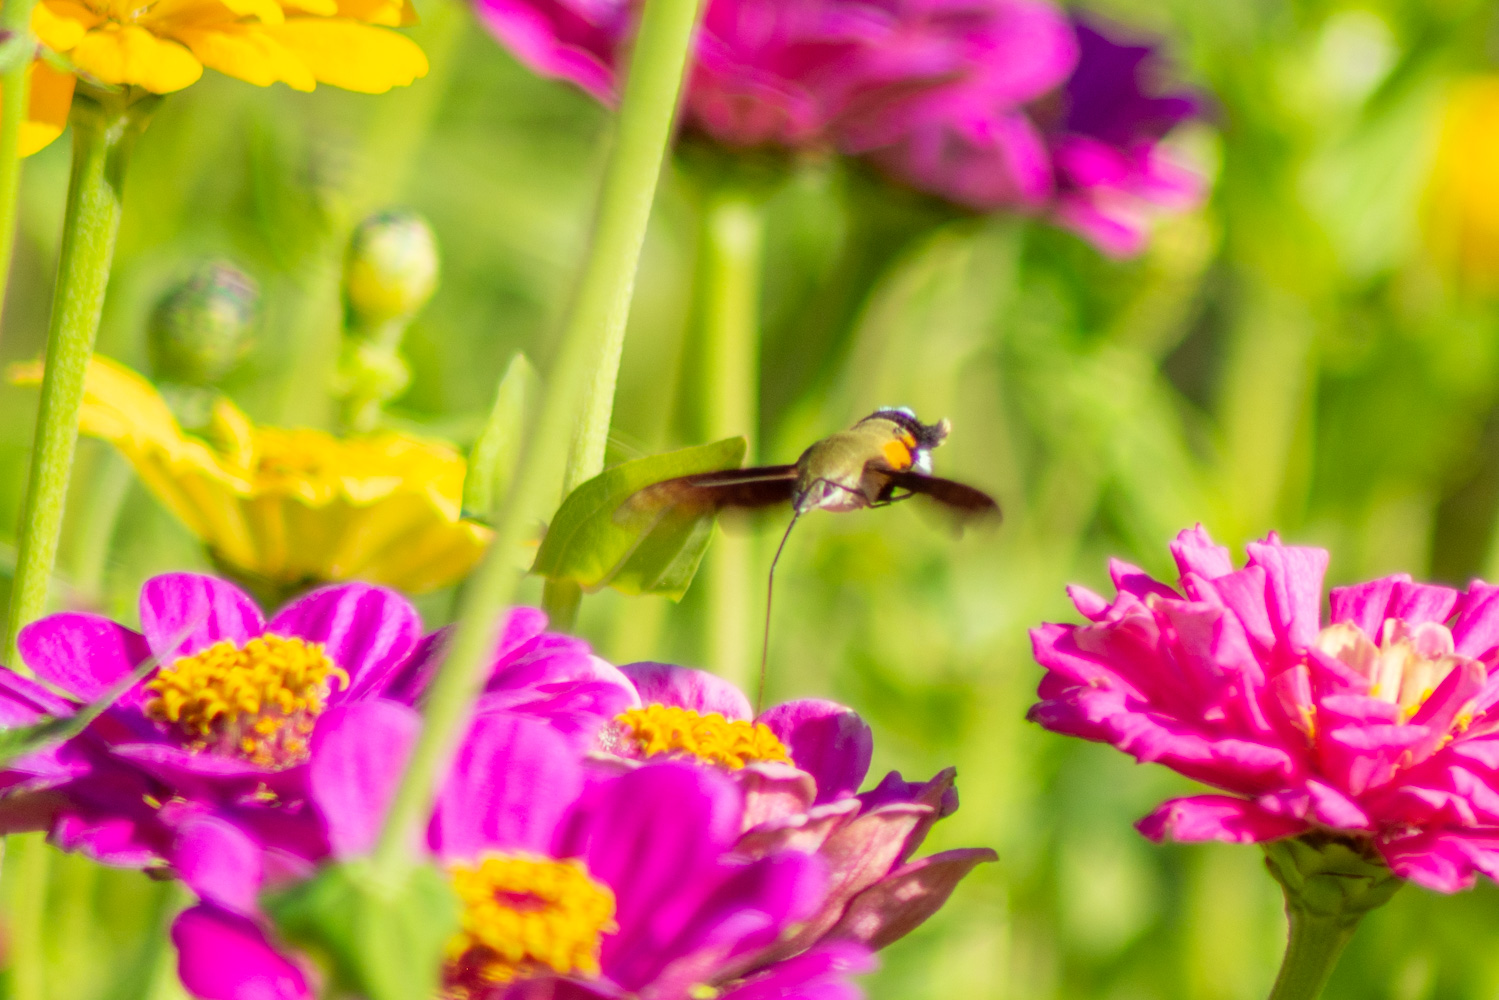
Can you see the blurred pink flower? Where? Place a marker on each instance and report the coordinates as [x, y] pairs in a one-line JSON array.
[[1381, 725], [991, 104]]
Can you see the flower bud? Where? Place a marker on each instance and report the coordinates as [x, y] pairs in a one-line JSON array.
[[391, 269], [203, 327]]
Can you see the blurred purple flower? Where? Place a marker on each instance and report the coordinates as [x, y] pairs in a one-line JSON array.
[[800, 765], [1112, 173], [623, 885]]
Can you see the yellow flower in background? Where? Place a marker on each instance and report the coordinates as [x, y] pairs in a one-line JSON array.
[[164, 45], [291, 506], [1463, 200]]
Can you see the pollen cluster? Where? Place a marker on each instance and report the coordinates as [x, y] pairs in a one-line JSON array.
[[257, 701], [659, 729], [522, 915]]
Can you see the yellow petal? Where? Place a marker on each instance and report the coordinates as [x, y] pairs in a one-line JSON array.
[[322, 8], [351, 55], [50, 97], [246, 52], [61, 24], [131, 54], [386, 12], [265, 11]]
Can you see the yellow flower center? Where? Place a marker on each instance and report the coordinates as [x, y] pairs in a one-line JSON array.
[[257, 701], [1407, 665], [525, 915], [658, 729]]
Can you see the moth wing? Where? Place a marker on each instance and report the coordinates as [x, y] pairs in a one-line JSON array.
[[710, 492], [965, 502]]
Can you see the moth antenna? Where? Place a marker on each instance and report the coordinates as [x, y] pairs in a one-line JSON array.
[[770, 591]]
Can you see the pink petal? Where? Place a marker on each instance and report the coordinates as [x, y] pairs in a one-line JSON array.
[[1216, 817], [367, 631], [81, 654], [182, 613], [1196, 552], [902, 901], [827, 740], [224, 957], [683, 687], [358, 754]]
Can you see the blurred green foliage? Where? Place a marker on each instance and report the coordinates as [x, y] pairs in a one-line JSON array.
[[1289, 357]]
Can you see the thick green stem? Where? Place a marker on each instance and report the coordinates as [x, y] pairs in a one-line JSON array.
[[104, 129], [15, 96], [1330, 882], [732, 255], [1312, 950], [584, 370]]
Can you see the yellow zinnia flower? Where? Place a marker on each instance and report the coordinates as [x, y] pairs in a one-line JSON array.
[[163, 45], [1463, 199], [291, 507]]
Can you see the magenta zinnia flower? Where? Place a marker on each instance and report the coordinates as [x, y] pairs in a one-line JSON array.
[[800, 765], [1379, 725], [621, 886], [213, 747]]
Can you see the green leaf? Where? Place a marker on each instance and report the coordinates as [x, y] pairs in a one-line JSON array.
[[382, 942], [591, 544], [491, 461]]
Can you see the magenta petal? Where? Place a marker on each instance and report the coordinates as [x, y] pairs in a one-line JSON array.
[[368, 631], [1476, 630], [81, 654], [773, 791], [224, 957], [1216, 817], [23, 701], [1195, 552], [1443, 860], [513, 780], [182, 613], [219, 862], [899, 903], [827, 740], [358, 754], [818, 974], [1293, 578], [683, 687]]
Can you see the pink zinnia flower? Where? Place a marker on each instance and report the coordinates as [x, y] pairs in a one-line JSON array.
[[1379, 724], [627, 885], [800, 765]]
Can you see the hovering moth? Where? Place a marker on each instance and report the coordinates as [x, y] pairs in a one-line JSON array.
[[882, 459]]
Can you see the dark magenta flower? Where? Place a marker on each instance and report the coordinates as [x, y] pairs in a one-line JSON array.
[[800, 765], [570, 885], [1380, 725]]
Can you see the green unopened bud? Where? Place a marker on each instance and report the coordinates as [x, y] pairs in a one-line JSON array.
[[203, 327], [391, 269]]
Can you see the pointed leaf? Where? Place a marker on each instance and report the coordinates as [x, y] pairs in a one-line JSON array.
[[655, 552]]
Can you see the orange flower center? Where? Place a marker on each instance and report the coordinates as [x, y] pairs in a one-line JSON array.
[[663, 729], [257, 701], [524, 915]]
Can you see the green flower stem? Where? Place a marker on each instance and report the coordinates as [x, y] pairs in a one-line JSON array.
[[583, 375], [1312, 951], [104, 129], [1330, 882], [15, 94], [733, 244]]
